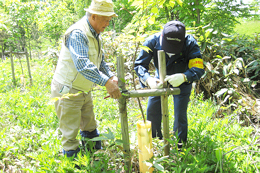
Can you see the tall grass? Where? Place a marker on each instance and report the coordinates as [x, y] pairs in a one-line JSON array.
[[30, 138]]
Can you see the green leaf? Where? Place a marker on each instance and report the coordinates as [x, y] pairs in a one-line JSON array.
[[98, 138], [226, 57], [109, 135], [123, 80], [145, 48], [207, 34], [137, 3], [154, 10], [225, 70], [254, 84], [245, 80], [221, 92], [161, 159], [132, 31], [218, 153], [151, 20], [218, 56], [236, 71], [119, 141], [179, 2], [172, 3], [139, 39], [158, 166], [203, 47], [239, 63], [227, 39]]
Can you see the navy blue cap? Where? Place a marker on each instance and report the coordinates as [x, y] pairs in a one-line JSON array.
[[173, 37]]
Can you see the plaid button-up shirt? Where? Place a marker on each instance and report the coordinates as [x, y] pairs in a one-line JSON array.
[[77, 43]]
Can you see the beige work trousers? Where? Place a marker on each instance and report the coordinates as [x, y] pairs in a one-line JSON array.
[[74, 112]]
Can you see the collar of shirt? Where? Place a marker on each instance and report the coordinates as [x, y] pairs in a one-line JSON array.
[[95, 34]]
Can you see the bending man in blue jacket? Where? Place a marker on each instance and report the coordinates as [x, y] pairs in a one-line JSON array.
[[184, 65]]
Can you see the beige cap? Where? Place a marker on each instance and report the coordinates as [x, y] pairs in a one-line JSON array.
[[102, 7]]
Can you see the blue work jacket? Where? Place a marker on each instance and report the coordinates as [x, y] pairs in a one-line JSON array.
[[174, 64]]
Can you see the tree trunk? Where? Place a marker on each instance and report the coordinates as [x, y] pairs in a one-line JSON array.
[[198, 12], [28, 66], [2, 52], [12, 65]]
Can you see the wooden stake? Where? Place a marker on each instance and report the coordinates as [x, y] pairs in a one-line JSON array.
[[123, 113], [28, 66], [3, 52], [152, 92], [143, 93], [164, 102], [12, 65]]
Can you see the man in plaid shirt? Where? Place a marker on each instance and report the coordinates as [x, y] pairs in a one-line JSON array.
[[81, 65]]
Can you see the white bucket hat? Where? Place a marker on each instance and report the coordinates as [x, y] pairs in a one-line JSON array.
[[102, 7]]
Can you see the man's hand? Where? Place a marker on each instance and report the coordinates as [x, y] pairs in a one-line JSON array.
[[176, 79], [114, 79], [154, 83], [112, 88]]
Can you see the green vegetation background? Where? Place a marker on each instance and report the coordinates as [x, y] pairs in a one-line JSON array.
[[30, 139], [223, 120]]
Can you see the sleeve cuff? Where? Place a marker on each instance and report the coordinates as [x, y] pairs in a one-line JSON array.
[[103, 80], [144, 79], [110, 74], [188, 76]]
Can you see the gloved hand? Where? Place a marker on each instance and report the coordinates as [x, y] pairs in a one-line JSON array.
[[176, 79], [154, 83]]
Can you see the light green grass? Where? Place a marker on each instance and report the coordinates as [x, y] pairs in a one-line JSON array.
[[31, 141], [248, 27]]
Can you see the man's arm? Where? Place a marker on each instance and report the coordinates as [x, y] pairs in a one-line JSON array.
[[105, 69], [77, 44], [142, 63], [196, 67]]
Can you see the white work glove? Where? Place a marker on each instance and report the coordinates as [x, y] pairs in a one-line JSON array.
[[176, 79], [154, 83]]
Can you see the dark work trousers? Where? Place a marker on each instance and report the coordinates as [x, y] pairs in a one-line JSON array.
[[154, 113]]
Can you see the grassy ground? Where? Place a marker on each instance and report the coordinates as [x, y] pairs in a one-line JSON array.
[[248, 27], [30, 138]]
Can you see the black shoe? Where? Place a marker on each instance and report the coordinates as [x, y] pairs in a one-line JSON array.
[[90, 145], [71, 153]]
